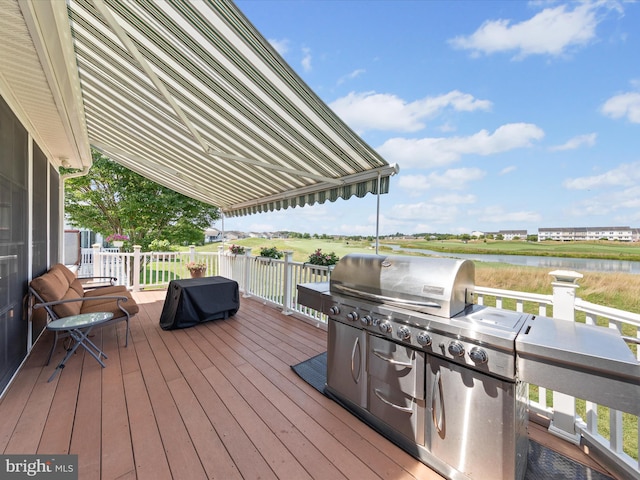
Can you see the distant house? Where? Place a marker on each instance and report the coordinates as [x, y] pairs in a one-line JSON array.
[[231, 236], [514, 234], [507, 234], [567, 234], [212, 235]]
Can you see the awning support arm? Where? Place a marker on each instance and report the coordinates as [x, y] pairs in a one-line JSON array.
[[144, 64], [136, 159], [271, 166], [130, 46]]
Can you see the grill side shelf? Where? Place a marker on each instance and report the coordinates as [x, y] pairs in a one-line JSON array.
[[584, 361]]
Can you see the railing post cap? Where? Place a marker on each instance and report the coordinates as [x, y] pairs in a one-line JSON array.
[[566, 276]]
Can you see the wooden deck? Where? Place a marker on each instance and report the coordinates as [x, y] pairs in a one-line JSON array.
[[218, 400]]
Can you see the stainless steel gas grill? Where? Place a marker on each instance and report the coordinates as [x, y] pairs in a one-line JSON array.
[[411, 354]]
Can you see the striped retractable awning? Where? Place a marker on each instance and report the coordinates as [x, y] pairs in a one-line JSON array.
[[189, 94]]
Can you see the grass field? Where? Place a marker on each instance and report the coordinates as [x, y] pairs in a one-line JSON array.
[[600, 249]]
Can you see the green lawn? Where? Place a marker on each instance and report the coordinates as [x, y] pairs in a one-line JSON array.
[[303, 247], [600, 249]]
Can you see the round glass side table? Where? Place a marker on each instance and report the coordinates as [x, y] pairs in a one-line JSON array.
[[79, 327]]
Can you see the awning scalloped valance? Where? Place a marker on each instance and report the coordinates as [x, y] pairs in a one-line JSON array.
[[359, 189]]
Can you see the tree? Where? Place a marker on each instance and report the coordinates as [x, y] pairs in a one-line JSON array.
[[113, 199]]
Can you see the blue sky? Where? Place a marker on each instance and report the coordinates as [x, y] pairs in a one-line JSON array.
[[501, 114]]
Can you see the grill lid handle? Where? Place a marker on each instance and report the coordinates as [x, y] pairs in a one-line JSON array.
[[400, 302]]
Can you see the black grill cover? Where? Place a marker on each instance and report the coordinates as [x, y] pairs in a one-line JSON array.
[[196, 300]]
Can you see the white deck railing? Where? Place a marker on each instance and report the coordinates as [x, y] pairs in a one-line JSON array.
[[274, 282]]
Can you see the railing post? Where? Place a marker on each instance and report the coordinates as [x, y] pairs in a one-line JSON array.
[[192, 253], [247, 272], [97, 263], [287, 278], [222, 269], [564, 406], [136, 268]]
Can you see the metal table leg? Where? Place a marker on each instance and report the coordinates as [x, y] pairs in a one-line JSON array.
[[81, 338]]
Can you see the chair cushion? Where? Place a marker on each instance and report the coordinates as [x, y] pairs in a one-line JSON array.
[[68, 309], [110, 305], [68, 274], [50, 286]]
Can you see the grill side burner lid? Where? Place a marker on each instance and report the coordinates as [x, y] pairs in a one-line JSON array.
[[437, 286]]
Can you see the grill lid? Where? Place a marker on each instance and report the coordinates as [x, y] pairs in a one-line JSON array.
[[438, 286]]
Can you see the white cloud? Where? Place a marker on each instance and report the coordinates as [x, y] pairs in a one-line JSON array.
[[306, 59], [350, 76], [354, 229], [553, 31], [497, 214], [434, 152], [623, 105], [422, 211], [381, 111], [452, 179], [447, 128], [623, 175], [509, 169], [588, 140], [262, 227], [281, 46], [454, 199], [625, 203]]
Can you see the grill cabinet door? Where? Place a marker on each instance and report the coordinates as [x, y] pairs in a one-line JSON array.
[[474, 422], [346, 355]]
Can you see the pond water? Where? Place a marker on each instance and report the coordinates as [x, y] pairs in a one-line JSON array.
[[555, 263]]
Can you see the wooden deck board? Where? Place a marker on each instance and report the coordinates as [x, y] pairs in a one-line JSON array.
[[218, 400], [117, 451]]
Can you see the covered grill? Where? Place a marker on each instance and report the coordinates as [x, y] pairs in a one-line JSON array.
[[412, 354]]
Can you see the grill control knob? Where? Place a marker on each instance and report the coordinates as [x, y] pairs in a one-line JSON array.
[[424, 339], [385, 327], [456, 349], [366, 320], [335, 310], [478, 355], [353, 316], [403, 333]]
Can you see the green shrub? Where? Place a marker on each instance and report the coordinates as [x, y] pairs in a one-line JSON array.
[[270, 252]]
